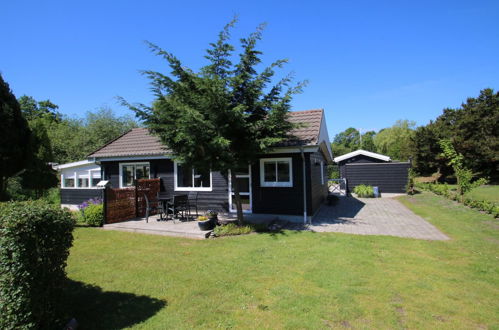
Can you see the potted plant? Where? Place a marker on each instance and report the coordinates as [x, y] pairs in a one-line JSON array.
[[213, 216], [204, 223]]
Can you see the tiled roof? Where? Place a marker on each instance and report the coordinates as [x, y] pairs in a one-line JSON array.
[[139, 141]]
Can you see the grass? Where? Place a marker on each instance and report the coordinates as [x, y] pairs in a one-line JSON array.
[[489, 193], [292, 279]]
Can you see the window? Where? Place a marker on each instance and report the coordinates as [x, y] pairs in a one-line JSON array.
[[131, 172], [69, 183], [82, 182], [188, 178], [322, 173], [276, 172], [243, 181]]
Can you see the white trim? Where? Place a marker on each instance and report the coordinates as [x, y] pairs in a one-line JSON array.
[[73, 164], [250, 194], [135, 163], [322, 172], [264, 183], [175, 181], [362, 152], [131, 158]]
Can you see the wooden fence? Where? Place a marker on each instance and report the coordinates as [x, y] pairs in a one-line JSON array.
[[128, 203]]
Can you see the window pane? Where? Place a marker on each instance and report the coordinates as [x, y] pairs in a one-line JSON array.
[[127, 175], [83, 183], [243, 184], [201, 178], [245, 202], [283, 171], [184, 176], [269, 171], [95, 181], [69, 183], [142, 172]]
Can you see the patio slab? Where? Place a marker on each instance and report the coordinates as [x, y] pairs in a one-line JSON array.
[[374, 216], [186, 229]]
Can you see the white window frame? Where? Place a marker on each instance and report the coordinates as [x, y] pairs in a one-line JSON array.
[[175, 180], [264, 183], [134, 174], [322, 172], [250, 194]]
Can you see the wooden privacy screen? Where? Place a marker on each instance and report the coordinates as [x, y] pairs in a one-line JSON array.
[[128, 203]]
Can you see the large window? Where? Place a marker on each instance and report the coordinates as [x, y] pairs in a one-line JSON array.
[[276, 172], [131, 172], [188, 178]]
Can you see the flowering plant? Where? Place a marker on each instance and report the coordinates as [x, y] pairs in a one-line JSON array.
[[91, 201], [202, 218]]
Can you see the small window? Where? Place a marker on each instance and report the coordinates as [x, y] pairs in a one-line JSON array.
[[276, 172], [188, 178], [82, 182], [69, 183], [129, 173]]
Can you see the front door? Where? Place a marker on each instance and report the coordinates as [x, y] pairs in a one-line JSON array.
[[243, 180]]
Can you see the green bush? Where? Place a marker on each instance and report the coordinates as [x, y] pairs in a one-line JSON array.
[[364, 191], [444, 190], [93, 215], [35, 238], [232, 229]]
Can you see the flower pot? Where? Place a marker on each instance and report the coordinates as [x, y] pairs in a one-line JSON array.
[[206, 225]]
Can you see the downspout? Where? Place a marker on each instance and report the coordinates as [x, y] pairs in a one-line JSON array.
[[304, 186]]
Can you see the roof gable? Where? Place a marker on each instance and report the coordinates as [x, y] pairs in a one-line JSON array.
[[362, 152]]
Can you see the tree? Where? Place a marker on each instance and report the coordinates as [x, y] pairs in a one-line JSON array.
[[33, 109], [223, 116], [14, 136], [395, 141], [464, 175], [367, 142], [350, 140]]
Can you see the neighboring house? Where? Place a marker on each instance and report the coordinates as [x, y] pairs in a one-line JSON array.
[[278, 183], [78, 182], [366, 167]]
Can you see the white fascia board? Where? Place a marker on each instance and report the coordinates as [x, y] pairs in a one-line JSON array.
[[362, 152], [324, 136], [73, 164], [131, 158]]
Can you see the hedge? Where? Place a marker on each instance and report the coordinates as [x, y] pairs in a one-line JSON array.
[[444, 190], [35, 238]]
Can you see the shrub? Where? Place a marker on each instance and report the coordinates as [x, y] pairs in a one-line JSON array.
[[93, 215], [231, 229], [35, 238], [364, 191]]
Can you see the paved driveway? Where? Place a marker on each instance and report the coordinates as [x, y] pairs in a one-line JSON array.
[[374, 216]]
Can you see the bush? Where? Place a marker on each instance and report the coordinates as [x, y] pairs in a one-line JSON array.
[[35, 238], [232, 229], [93, 215], [364, 191]]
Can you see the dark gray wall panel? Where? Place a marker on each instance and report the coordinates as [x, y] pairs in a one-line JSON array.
[[78, 196], [389, 177]]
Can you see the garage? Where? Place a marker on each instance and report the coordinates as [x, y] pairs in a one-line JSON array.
[[369, 168]]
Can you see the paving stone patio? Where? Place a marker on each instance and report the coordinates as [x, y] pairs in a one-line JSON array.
[[374, 216]]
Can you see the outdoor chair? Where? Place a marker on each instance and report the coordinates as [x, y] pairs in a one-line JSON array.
[[193, 202], [153, 207], [179, 206]]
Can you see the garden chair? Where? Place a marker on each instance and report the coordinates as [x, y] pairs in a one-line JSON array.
[[152, 207], [179, 206], [193, 202]]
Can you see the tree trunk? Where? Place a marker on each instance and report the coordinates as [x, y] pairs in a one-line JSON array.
[[237, 198]]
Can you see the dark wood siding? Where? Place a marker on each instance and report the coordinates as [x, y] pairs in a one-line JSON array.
[[318, 191], [279, 200], [78, 196], [355, 160], [217, 199], [389, 177]]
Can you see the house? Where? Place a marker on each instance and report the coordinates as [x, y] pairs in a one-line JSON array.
[[78, 182], [366, 167], [290, 181]]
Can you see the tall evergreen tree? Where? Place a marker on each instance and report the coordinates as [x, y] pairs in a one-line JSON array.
[[15, 137], [222, 117]]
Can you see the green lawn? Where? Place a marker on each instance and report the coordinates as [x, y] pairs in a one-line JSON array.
[[293, 279], [488, 193]]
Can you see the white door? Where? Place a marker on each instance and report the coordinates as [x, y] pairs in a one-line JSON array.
[[243, 178]]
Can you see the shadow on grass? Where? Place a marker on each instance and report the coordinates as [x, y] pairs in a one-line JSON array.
[[94, 308]]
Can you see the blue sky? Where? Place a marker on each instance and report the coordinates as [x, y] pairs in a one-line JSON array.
[[368, 63]]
